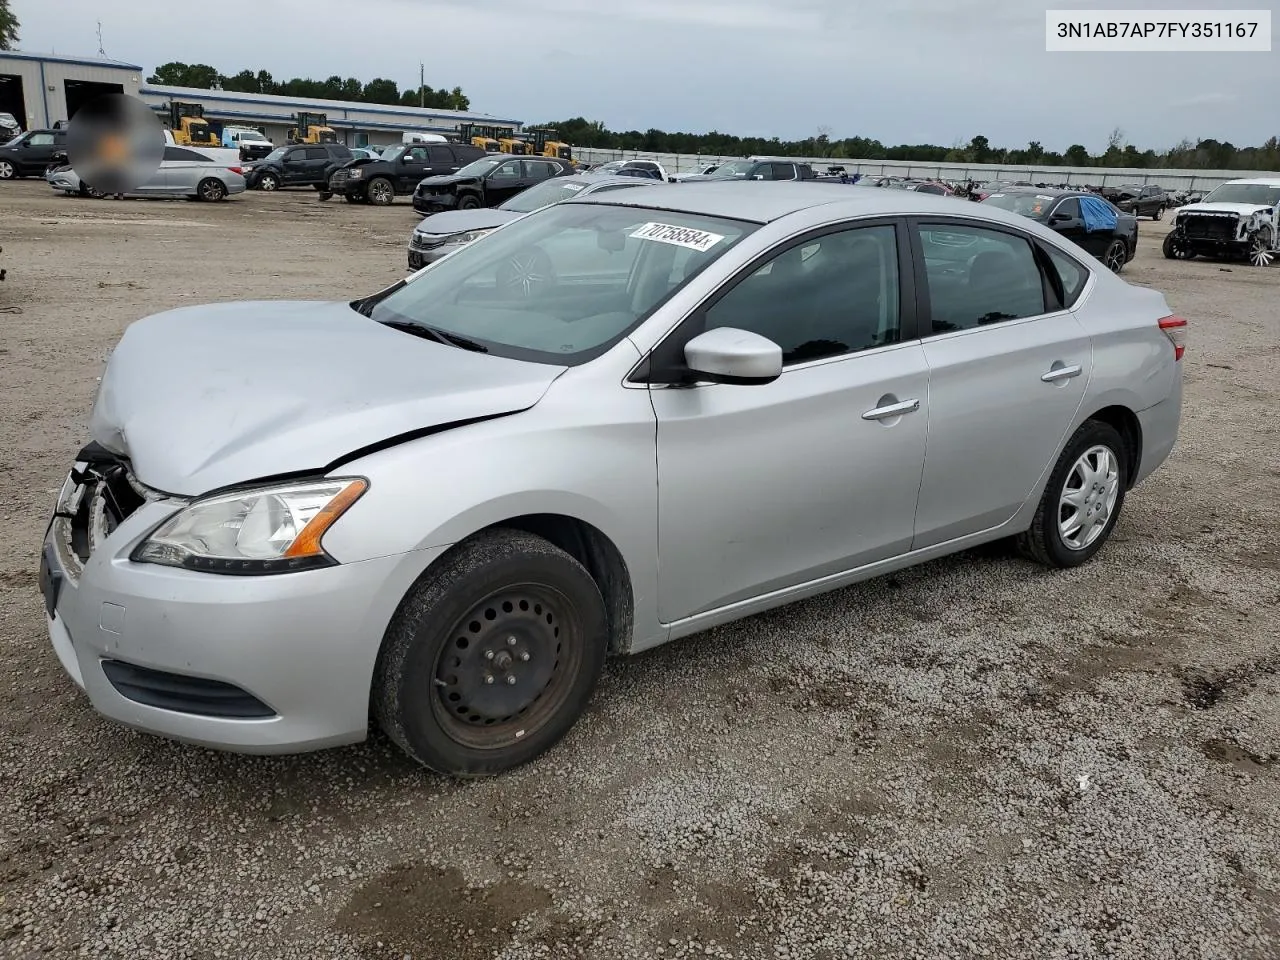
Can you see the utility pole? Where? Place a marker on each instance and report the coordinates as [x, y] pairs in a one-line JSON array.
[[422, 85]]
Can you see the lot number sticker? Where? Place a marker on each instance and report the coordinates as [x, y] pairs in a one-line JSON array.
[[699, 240]]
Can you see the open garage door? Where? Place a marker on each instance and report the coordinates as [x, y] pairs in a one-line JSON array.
[[80, 92], [12, 99]]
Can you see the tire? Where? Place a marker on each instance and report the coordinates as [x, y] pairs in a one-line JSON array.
[[1045, 541], [211, 190], [1176, 248], [353, 198], [324, 195], [1116, 256], [1259, 251], [468, 202], [269, 181], [380, 192], [7, 170], [1159, 214], [430, 694]]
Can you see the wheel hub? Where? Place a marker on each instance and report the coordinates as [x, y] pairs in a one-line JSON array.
[[501, 659]]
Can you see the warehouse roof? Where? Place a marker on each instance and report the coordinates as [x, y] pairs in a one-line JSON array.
[[78, 61], [328, 106]]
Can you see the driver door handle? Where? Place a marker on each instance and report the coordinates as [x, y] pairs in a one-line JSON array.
[[892, 410], [1061, 373]]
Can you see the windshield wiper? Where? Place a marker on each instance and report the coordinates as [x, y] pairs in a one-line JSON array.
[[440, 336]]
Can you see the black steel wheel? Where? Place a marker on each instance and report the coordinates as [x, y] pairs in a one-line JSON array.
[[468, 201], [1177, 247], [492, 655]]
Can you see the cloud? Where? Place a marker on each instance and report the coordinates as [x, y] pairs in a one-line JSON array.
[[1206, 100]]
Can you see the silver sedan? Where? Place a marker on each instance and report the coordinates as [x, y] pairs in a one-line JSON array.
[[183, 172], [617, 421]]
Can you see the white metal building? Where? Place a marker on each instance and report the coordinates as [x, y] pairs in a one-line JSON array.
[[357, 124], [43, 89]]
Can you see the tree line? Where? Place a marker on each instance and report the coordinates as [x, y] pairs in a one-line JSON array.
[[380, 91], [1207, 154]]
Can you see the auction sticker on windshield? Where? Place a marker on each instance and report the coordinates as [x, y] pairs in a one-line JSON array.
[[699, 240]]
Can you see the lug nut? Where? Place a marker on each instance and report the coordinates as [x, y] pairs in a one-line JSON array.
[[488, 654], [511, 681], [525, 656], [511, 641], [488, 678]]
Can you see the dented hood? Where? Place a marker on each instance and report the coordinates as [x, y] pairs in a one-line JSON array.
[[205, 397]]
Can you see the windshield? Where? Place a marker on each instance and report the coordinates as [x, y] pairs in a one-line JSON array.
[[1260, 193], [392, 153], [477, 168], [542, 195], [734, 168], [276, 154], [564, 284], [1028, 204], [253, 135]]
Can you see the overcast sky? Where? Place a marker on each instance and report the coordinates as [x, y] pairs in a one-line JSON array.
[[901, 71]]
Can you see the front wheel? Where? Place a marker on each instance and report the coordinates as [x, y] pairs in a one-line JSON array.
[[269, 181], [491, 656], [7, 170], [468, 202], [1082, 500], [380, 192], [1159, 214], [1260, 254]]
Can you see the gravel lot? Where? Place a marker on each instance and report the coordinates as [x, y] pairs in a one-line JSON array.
[[975, 758]]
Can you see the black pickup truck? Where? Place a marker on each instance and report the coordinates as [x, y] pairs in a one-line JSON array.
[[399, 170]]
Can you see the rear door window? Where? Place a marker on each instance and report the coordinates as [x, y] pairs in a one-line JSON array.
[[977, 277]]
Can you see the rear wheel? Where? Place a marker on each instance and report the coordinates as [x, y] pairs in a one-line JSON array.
[[1116, 255], [1082, 500], [492, 656], [211, 190], [380, 192], [7, 170]]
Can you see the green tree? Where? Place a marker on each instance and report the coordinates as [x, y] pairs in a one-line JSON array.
[[379, 90], [8, 27], [178, 74], [1077, 155]]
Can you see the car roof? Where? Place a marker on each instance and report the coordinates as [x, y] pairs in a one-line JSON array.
[[1261, 181], [766, 201], [1047, 191], [600, 179]]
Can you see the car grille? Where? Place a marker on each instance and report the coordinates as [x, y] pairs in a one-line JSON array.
[[339, 176], [1208, 226], [99, 494]]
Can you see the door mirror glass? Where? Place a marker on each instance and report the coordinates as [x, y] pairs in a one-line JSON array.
[[729, 355], [1060, 217]]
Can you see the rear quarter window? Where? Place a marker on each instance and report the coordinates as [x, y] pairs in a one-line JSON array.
[[1072, 274]]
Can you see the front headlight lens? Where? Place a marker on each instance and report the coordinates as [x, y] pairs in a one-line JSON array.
[[267, 530], [468, 237], [354, 172]]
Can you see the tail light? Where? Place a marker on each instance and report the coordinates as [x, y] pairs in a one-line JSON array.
[[1175, 328], [239, 170]]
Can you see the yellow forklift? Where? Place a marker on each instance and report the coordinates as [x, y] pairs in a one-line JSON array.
[[483, 137], [312, 128], [189, 127], [513, 145], [547, 143]]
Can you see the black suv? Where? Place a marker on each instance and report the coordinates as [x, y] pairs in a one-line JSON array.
[[297, 165], [487, 182], [1142, 200], [380, 180], [31, 154]]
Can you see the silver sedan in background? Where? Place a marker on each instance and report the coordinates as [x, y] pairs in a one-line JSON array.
[[183, 172], [442, 233], [702, 404]]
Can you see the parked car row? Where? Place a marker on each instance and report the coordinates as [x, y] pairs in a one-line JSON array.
[[183, 172]]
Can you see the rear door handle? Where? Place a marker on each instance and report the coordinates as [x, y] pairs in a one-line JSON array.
[[892, 410], [1061, 373]]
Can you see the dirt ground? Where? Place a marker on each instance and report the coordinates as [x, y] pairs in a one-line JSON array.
[[975, 758]]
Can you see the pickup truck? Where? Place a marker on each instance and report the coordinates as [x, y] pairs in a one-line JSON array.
[[757, 168]]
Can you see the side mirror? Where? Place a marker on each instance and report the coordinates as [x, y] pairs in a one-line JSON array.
[[730, 355], [1060, 218]]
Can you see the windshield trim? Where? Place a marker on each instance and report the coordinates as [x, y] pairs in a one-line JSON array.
[[529, 354]]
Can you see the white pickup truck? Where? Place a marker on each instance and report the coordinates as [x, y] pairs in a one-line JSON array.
[[1239, 219]]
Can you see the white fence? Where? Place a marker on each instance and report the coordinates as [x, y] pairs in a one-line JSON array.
[[1189, 180]]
